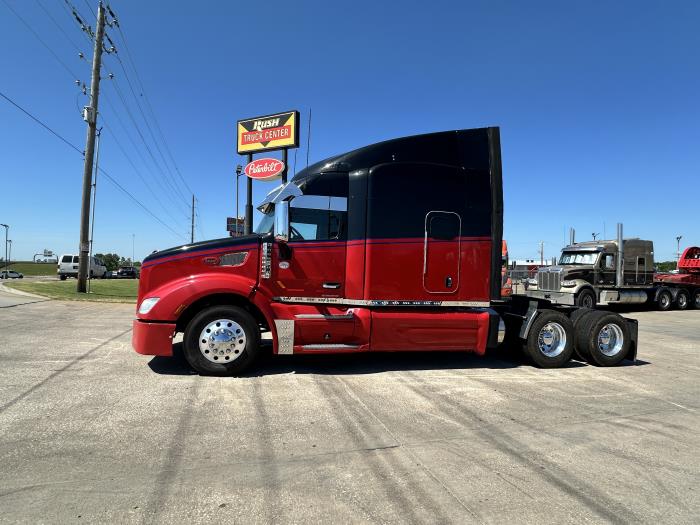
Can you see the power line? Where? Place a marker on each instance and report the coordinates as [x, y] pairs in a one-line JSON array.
[[45, 126], [36, 35], [60, 28], [148, 126], [175, 201], [73, 146], [150, 107], [143, 139]]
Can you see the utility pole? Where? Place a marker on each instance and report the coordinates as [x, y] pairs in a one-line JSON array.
[[192, 232], [7, 229], [239, 169], [90, 117], [133, 241], [94, 197], [248, 226], [541, 253]]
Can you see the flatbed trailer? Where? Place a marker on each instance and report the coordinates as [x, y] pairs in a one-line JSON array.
[[684, 285]]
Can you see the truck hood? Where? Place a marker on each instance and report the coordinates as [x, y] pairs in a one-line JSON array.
[[199, 258], [570, 271], [189, 249]]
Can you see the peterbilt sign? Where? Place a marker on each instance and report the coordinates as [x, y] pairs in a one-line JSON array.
[[268, 132], [264, 169]]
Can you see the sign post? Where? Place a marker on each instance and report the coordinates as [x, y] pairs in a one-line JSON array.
[[265, 133]]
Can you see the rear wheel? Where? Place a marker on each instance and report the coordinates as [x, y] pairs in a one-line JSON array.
[[606, 338], [550, 341], [695, 302], [62, 277], [663, 300], [682, 300], [577, 318], [586, 298], [222, 340]]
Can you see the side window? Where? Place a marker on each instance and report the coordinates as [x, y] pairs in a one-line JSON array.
[[641, 263], [609, 261], [443, 226], [76, 258], [66, 259], [318, 218]]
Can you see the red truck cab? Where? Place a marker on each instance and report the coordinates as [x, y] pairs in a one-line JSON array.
[[395, 246]]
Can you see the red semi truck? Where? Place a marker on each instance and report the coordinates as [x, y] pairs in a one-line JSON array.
[[686, 282], [395, 246]]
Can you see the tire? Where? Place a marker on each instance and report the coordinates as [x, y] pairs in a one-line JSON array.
[[550, 343], [663, 301], [62, 277], [682, 300], [695, 302], [236, 354], [577, 318], [606, 338], [586, 298]]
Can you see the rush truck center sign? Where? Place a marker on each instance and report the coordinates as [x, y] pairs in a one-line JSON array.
[[269, 132]]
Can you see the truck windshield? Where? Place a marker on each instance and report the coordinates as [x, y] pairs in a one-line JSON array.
[[578, 258]]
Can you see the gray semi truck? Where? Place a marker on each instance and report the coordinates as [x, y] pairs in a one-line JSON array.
[[619, 271]]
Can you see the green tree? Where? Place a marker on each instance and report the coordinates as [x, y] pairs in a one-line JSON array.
[[665, 266], [110, 260]]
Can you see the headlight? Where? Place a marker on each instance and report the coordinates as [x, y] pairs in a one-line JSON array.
[[568, 284], [148, 304]]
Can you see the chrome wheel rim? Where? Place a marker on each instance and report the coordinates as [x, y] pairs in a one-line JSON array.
[[697, 300], [610, 340], [682, 300], [665, 300], [222, 341], [551, 340]]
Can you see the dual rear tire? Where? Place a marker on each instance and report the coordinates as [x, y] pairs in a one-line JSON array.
[[601, 338]]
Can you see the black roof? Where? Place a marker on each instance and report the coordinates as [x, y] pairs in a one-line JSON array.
[[465, 147]]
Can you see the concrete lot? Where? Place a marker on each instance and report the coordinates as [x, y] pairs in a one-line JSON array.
[[90, 431]]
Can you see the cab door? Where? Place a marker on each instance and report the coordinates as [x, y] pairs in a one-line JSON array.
[[312, 263], [441, 252]]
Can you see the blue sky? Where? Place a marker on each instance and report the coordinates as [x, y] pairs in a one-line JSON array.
[[597, 102]]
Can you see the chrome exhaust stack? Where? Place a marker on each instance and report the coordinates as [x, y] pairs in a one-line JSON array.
[[619, 270]]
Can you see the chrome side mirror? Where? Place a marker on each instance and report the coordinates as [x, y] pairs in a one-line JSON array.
[[282, 221]]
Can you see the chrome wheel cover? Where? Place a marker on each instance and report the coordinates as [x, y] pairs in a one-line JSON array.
[[610, 340], [682, 300], [665, 300], [222, 341], [551, 340]]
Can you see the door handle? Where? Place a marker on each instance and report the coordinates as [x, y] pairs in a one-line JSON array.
[[332, 286]]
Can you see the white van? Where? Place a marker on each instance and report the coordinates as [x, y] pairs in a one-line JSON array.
[[68, 267]]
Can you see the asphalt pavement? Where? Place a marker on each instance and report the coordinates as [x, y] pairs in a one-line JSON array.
[[91, 431]]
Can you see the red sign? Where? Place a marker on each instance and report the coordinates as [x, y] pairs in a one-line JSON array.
[[264, 169]]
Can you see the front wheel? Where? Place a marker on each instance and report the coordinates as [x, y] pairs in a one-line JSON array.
[[586, 299], [222, 341], [550, 343]]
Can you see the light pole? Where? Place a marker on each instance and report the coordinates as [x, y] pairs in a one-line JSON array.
[[7, 229], [133, 238], [595, 235], [239, 169], [678, 250], [9, 257]]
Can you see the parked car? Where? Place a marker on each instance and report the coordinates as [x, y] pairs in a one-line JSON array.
[[10, 274], [68, 267], [127, 272]]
